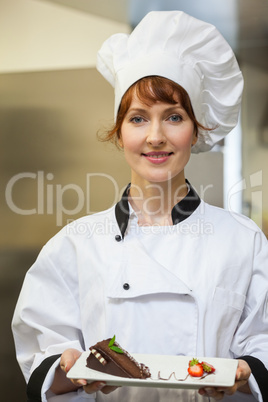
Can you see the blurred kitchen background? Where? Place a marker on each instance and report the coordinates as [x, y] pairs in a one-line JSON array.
[[53, 102]]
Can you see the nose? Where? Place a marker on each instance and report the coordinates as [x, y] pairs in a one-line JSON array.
[[155, 134]]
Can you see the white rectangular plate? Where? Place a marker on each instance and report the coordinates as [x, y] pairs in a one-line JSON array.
[[224, 375]]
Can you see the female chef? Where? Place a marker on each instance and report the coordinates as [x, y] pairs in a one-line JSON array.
[[152, 279]]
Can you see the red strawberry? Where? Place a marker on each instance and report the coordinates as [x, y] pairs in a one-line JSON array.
[[195, 368], [208, 368]]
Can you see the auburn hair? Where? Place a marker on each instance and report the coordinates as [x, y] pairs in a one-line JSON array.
[[150, 90]]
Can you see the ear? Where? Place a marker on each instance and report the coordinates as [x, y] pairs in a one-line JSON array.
[[120, 142], [195, 137]]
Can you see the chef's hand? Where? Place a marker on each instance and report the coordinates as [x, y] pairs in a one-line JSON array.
[[62, 384], [241, 383]]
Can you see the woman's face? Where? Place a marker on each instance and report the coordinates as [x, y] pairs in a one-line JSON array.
[[157, 141]]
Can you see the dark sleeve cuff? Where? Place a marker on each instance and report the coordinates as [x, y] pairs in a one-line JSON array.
[[37, 379], [260, 374]]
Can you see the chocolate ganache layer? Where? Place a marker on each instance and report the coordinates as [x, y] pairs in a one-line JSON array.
[[108, 357]]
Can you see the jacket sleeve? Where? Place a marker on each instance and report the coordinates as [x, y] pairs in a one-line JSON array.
[[38, 377], [260, 374], [251, 339], [47, 316]]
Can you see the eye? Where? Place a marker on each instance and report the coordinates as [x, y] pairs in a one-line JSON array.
[[175, 118], [136, 119]]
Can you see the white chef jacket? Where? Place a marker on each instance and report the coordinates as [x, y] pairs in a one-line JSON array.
[[197, 288]]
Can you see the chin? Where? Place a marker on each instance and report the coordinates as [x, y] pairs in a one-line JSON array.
[[159, 179]]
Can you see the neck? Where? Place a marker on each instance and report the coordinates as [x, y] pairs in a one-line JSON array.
[[153, 202]]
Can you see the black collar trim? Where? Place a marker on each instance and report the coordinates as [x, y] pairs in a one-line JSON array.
[[186, 206], [179, 212], [122, 211]]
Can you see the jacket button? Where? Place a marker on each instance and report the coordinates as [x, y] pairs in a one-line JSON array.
[[126, 286]]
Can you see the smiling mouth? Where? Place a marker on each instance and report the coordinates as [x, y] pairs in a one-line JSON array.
[[157, 155]]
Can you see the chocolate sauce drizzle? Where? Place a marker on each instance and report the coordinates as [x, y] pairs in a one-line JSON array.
[[172, 374], [181, 379]]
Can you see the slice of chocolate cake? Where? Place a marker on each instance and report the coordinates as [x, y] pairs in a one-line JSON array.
[[108, 357]]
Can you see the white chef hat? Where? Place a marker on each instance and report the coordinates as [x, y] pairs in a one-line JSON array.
[[187, 51]]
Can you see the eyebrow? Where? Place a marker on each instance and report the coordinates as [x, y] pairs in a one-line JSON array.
[[136, 110], [168, 109]]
